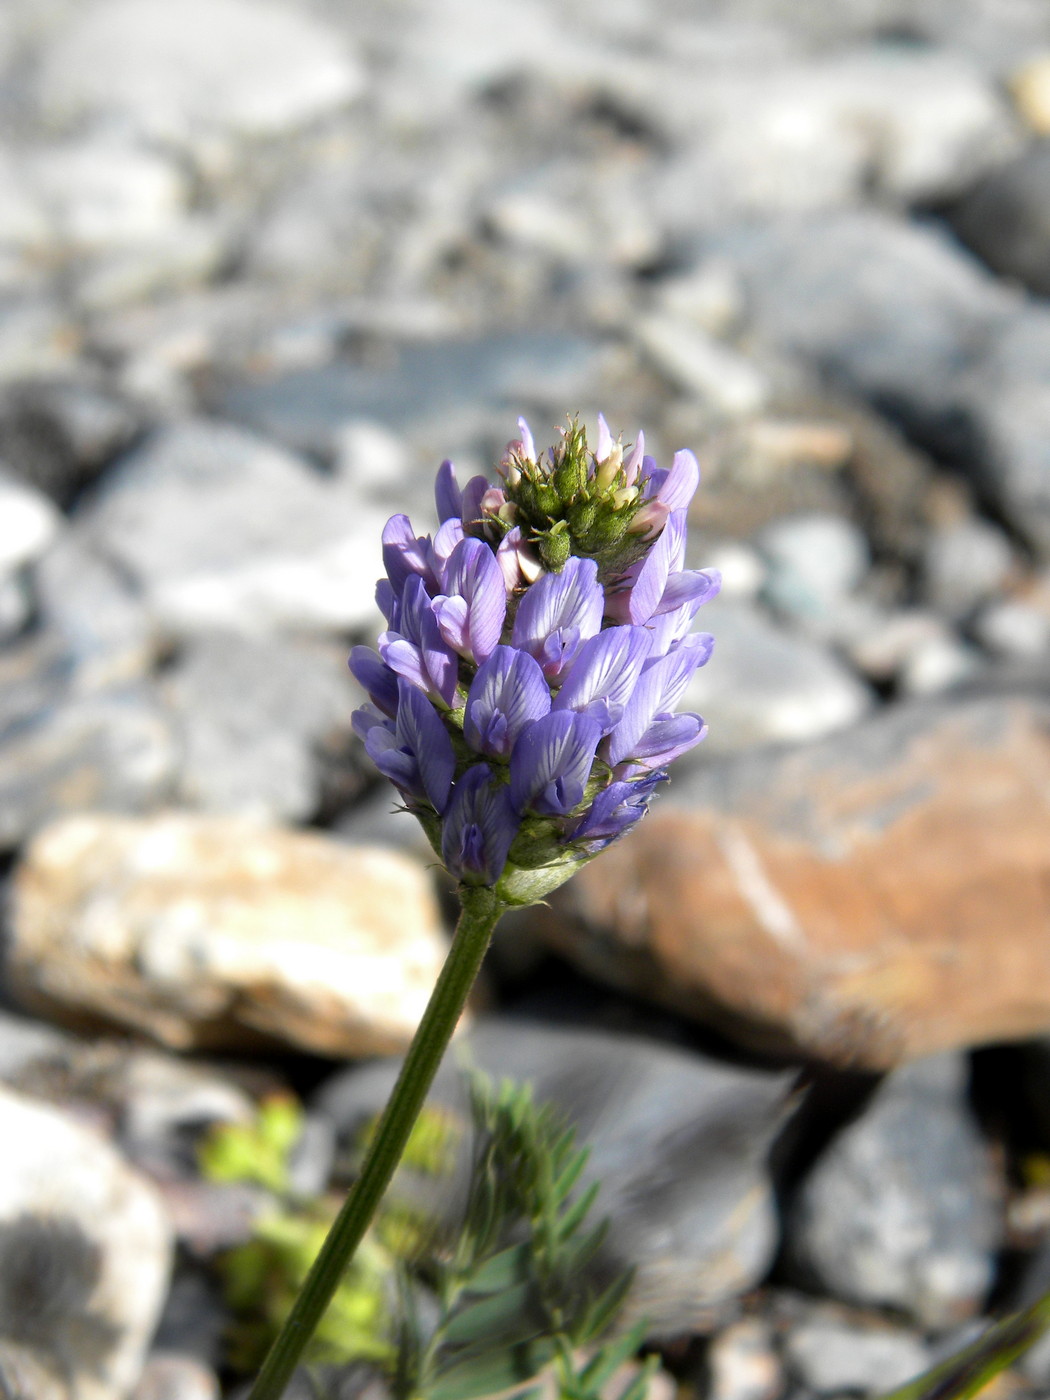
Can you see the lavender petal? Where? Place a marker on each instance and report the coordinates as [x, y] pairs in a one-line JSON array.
[[552, 761], [557, 613], [447, 496], [660, 687], [421, 732], [615, 810], [600, 680], [404, 552], [478, 828], [507, 693], [375, 677], [471, 619]]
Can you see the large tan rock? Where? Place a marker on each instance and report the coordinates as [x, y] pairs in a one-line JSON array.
[[207, 931], [879, 895]]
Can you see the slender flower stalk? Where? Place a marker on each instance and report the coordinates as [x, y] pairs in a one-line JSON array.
[[522, 701]]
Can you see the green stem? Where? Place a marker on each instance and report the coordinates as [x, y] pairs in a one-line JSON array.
[[480, 912]]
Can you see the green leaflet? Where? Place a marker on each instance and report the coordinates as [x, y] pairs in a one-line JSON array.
[[965, 1374]]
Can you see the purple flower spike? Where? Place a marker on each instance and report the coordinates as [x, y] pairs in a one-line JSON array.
[[419, 652], [478, 829], [558, 614], [375, 678], [660, 687], [615, 810], [471, 619], [447, 496], [552, 761], [600, 680], [507, 693], [536, 648]]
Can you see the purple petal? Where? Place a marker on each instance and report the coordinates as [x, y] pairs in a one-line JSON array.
[[507, 693], [419, 652], [389, 602], [605, 440], [472, 619], [633, 462], [528, 446], [375, 678], [552, 761], [478, 829], [687, 586], [679, 486], [472, 494], [404, 552], [421, 732], [447, 496], [439, 553], [660, 687], [559, 612], [604, 673], [651, 580], [615, 810], [667, 738]]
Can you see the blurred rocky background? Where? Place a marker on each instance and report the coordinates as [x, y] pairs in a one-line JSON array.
[[263, 263]]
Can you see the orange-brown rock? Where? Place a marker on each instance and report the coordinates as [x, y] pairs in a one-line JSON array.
[[878, 895]]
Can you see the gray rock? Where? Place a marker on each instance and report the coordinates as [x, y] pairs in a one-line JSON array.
[[98, 616], [218, 67], [725, 382], [939, 664], [1013, 628], [678, 1142], [964, 563], [169, 1375], [903, 1209], [742, 1363], [1005, 218], [815, 561], [98, 193], [173, 514], [28, 523], [255, 718], [16, 606], [764, 685], [86, 1251], [37, 335], [426, 384], [803, 135], [893, 311], [1010, 413], [829, 1356], [57, 433], [194, 1318], [61, 752]]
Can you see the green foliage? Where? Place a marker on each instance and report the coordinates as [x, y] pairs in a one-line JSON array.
[[255, 1152], [970, 1370], [514, 1285], [514, 1290], [263, 1277]]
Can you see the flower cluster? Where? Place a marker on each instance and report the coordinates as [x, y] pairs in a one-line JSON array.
[[523, 696]]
